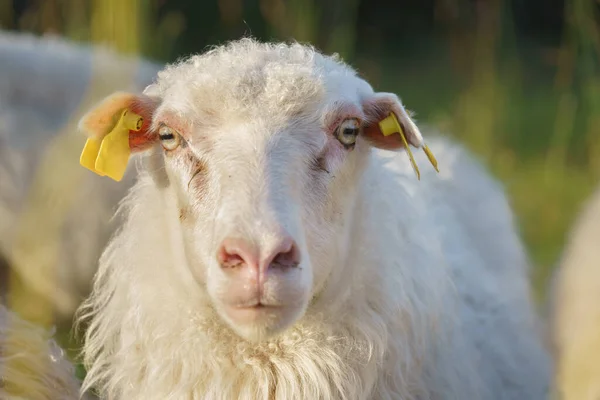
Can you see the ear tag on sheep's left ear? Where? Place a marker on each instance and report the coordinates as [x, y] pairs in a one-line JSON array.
[[389, 126], [114, 151], [431, 157]]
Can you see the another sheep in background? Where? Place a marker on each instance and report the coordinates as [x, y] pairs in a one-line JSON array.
[[575, 308], [32, 366], [54, 216], [270, 251]]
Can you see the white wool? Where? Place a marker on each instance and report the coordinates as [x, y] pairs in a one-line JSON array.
[[32, 366], [427, 296], [575, 310], [54, 215]]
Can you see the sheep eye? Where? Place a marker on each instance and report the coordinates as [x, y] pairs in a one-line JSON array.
[[169, 138], [348, 131]]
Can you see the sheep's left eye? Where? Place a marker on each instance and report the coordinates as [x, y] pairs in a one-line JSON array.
[[169, 138], [348, 131]]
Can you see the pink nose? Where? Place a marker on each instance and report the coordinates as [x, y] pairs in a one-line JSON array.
[[236, 255]]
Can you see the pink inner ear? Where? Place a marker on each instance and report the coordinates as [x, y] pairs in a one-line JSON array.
[[380, 106], [373, 133], [377, 111], [144, 138], [100, 120]]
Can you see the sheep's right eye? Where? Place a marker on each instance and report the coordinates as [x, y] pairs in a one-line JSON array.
[[169, 138]]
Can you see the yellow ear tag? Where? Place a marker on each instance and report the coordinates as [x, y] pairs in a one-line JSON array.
[[89, 154], [389, 126], [431, 157], [114, 151]]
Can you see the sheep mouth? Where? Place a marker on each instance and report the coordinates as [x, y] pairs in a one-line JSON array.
[[255, 305], [254, 313]]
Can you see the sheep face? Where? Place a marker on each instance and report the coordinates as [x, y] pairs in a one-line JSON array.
[[261, 199], [263, 148]]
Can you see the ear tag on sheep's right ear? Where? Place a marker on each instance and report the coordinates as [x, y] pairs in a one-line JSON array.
[[89, 155], [389, 126], [114, 151]]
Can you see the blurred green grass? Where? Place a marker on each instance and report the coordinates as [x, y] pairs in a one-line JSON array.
[[530, 111]]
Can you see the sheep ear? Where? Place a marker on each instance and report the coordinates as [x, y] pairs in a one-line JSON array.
[[380, 106], [116, 127], [389, 126]]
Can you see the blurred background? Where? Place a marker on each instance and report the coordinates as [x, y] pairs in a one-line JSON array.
[[516, 81]]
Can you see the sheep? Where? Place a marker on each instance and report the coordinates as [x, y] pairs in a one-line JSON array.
[[275, 246], [574, 308], [54, 218], [32, 365]]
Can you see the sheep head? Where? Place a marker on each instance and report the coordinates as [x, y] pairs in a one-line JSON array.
[[261, 146]]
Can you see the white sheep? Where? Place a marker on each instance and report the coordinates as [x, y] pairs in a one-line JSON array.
[[575, 308], [273, 249], [55, 217], [32, 365]]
